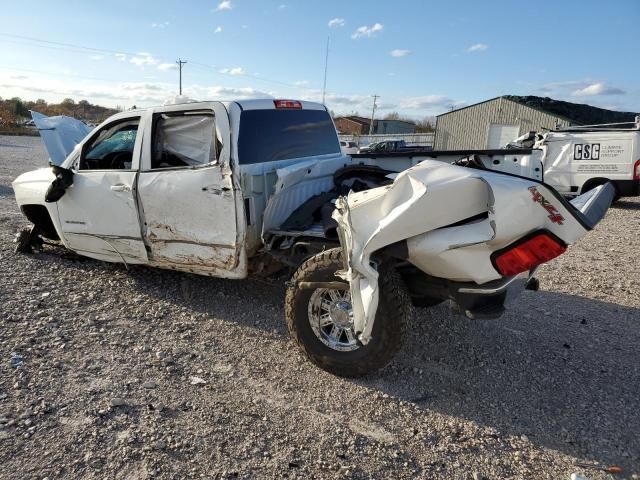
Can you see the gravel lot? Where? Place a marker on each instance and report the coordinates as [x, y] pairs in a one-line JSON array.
[[107, 389]]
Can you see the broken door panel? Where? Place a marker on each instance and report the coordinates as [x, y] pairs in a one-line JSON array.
[[187, 193]]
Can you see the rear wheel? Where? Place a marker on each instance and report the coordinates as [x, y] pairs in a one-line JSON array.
[[321, 320]]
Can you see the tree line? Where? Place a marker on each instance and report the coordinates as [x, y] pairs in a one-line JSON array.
[[14, 111], [424, 125]]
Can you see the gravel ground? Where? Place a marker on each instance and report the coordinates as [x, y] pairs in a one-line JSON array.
[[154, 374]]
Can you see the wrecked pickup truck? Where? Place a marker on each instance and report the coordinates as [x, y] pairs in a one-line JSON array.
[[232, 189]]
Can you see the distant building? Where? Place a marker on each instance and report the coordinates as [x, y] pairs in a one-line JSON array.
[[393, 127], [355, 125], [493, 123]]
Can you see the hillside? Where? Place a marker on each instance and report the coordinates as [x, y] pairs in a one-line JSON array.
[[576, 112]]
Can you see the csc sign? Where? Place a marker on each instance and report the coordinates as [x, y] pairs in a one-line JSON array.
[[586, 151]]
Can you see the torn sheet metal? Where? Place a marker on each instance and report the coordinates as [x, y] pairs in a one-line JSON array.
[[296, 184], [60, 134], [452, 219]]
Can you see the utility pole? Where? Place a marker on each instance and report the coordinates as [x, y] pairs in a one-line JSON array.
[[373, 112], [180, 64], [326, 63]]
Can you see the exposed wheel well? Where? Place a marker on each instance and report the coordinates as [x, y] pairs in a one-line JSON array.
[[39, 216]]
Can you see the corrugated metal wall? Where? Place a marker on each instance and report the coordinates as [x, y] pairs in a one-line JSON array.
[[468, 128]]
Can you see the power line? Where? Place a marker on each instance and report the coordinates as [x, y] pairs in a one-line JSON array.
[[42, 43], [80, 48], [59, 74]]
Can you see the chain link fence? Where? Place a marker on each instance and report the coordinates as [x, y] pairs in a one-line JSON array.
[[412, 139]]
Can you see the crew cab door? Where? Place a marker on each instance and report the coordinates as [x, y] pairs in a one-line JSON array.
[[187, 194], [98, 213]]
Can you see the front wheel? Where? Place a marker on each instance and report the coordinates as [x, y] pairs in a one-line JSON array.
[[321, 320]]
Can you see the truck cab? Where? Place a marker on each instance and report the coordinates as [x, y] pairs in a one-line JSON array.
[[181, 186]]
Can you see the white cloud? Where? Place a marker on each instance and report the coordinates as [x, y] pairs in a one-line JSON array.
[[96, 57], [233, 71], [282, 6], [142, 93], [598, 89], [167, 66], [224, 5], [301, 83], [228, 93], [434, 103], [478, 47], [218, 29], [347, 100], [336, 22], [143, 58], [366, 31], [400, 53], [121, 57], [160, 25]]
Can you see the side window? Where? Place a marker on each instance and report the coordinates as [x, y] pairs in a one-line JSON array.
[[184, 139], [112, 147]]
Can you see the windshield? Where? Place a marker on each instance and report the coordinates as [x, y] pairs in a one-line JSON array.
[[269, 135]]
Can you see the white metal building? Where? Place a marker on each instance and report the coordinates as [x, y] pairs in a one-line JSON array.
[[493, 123], [490, 124]]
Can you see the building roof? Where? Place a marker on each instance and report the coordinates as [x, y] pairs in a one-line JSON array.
[[357, 119], [576, 113]]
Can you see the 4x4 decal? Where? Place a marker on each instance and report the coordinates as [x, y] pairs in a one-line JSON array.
[[554, 215]]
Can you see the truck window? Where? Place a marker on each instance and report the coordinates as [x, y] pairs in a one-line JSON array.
[[112, 147], [183, 139], [269, 135]]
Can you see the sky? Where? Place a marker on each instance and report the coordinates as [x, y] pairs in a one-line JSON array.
[[422, 58]]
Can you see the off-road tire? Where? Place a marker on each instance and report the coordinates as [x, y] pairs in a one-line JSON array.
[[394, 312]]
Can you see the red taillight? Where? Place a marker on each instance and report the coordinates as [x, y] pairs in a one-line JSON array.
[[636, 170], [527, 253], [287, 104]]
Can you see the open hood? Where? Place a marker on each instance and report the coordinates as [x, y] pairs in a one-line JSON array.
[[60, 134]]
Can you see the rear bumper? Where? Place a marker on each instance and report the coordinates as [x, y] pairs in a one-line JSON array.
[[489, 299]]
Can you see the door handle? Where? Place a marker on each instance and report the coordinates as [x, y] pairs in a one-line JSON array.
[[120, 188]]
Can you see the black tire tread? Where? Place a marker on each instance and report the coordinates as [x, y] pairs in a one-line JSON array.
[[397, 305]]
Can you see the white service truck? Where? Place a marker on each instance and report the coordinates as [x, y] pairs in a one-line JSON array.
[[573, 160], [250, 187], [577, 159]]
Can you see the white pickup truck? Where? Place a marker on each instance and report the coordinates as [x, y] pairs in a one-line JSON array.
[[232, 189]]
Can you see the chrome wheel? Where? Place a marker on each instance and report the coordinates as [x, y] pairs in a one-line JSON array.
[[331, 319]]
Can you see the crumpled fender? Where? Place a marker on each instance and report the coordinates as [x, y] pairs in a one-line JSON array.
[[434, 207], [373, 219]]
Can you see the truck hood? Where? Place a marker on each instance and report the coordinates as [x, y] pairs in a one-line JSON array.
[[60, 134], [450, 220]]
